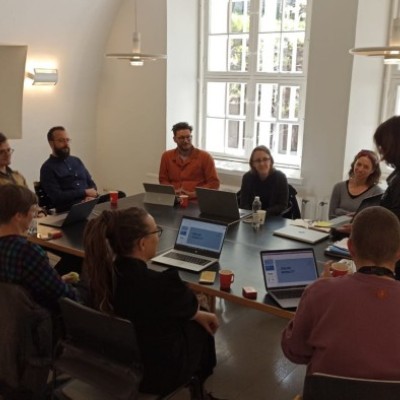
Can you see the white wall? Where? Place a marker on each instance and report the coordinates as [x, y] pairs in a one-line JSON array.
[[131, 116], [69, 35]]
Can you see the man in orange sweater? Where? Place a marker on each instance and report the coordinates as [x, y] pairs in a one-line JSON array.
[[187, 167]]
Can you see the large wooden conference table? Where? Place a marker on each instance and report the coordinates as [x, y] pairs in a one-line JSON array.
[[241, 250]]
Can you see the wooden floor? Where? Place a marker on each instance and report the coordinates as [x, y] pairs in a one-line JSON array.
[[251, 365]]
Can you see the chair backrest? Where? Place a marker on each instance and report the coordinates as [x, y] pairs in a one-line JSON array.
[[329, 387], [43, 199], [25, 342], [293, 210], [97, 345]]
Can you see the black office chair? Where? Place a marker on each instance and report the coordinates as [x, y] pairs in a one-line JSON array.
[[100, 352], [44, 201], [330, 387], [293, 210], [25, 345]]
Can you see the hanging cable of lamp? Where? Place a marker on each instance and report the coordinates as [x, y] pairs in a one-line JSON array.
[[391, 52], [136, 57]]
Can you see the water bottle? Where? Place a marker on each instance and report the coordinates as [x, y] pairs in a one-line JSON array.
[[256, 218]]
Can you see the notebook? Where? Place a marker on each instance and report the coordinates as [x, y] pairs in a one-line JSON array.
[[159, 194], [302, 234], [197, 246], [77, 213], [287, 273], [220, 206]]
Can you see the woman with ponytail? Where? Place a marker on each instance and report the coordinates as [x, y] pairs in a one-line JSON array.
[[175, 337]]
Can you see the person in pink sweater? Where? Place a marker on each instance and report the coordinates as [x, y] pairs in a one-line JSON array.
[[349, 325]]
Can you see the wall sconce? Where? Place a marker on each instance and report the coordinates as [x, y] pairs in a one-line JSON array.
[[43, 76]]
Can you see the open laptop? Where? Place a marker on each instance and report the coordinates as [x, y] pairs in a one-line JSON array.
[[220, 206], [78, 212], [367, 202], [302, 234], [197, 246], [159, 194], [287, 273]]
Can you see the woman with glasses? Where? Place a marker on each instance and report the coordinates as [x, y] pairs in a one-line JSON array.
[[7, 175], [363, 181], [175, 337], [265, 181]]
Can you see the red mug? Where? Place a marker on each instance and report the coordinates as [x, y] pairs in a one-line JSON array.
[[339, 269], [226, 278], [113, 198], [184, 200]]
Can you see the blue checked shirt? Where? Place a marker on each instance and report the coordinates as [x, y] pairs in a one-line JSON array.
[[26, 264]]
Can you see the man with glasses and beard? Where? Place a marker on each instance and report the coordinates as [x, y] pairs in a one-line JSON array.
[[63, 177], [187, 167]]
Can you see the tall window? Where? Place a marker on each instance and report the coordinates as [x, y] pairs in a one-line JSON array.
[[254, 78]]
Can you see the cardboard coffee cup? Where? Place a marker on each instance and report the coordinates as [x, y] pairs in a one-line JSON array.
[[261, 216], [226, 277]]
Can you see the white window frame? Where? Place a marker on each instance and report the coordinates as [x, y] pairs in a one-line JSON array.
[[252, 77]]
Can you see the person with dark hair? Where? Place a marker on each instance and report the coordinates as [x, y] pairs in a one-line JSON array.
[[363, 182], [265, 181], [63, 177], [348, 325], [175, 336], [7, 175], [387, 141], [187, 167], [22, 262]]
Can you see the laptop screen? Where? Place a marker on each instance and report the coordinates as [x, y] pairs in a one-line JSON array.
[[286, 268], [200, 234]]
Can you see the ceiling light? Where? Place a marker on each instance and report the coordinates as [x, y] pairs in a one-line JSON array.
[[136, 58], [390, 53]]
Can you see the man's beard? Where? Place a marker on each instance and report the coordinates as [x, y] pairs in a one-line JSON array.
[[62, 153]]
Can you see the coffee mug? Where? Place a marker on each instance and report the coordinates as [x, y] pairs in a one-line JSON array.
[[339, 269], [184, 200], [113, 198], [226, 277]]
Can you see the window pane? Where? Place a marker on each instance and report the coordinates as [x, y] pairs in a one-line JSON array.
[[283, 138], [270, 15], [269, 52], [292, 52], [294, 140], [240, 19], [218, 16], [265, 134], [233, 134], [289, 102], [294, 17], [217, 52], [216, 99], [215, 135], [237, 99], [267, 101], [239, 50]]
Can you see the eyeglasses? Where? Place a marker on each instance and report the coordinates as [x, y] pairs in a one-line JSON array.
[[262, 160], [182, 138], [159, 232], [67, 140], [6, 152]]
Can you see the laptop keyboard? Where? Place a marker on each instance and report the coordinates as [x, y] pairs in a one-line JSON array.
[[288, 294], [184, 257]]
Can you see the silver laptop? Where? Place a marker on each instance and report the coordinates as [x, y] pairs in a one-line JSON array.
[[302, 234], [287, 273], [163, 195], [220, 206], [198, 245], [78, 212]]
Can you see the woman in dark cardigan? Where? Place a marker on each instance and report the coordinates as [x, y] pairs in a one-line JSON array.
[[265, 181], [175, 337]]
